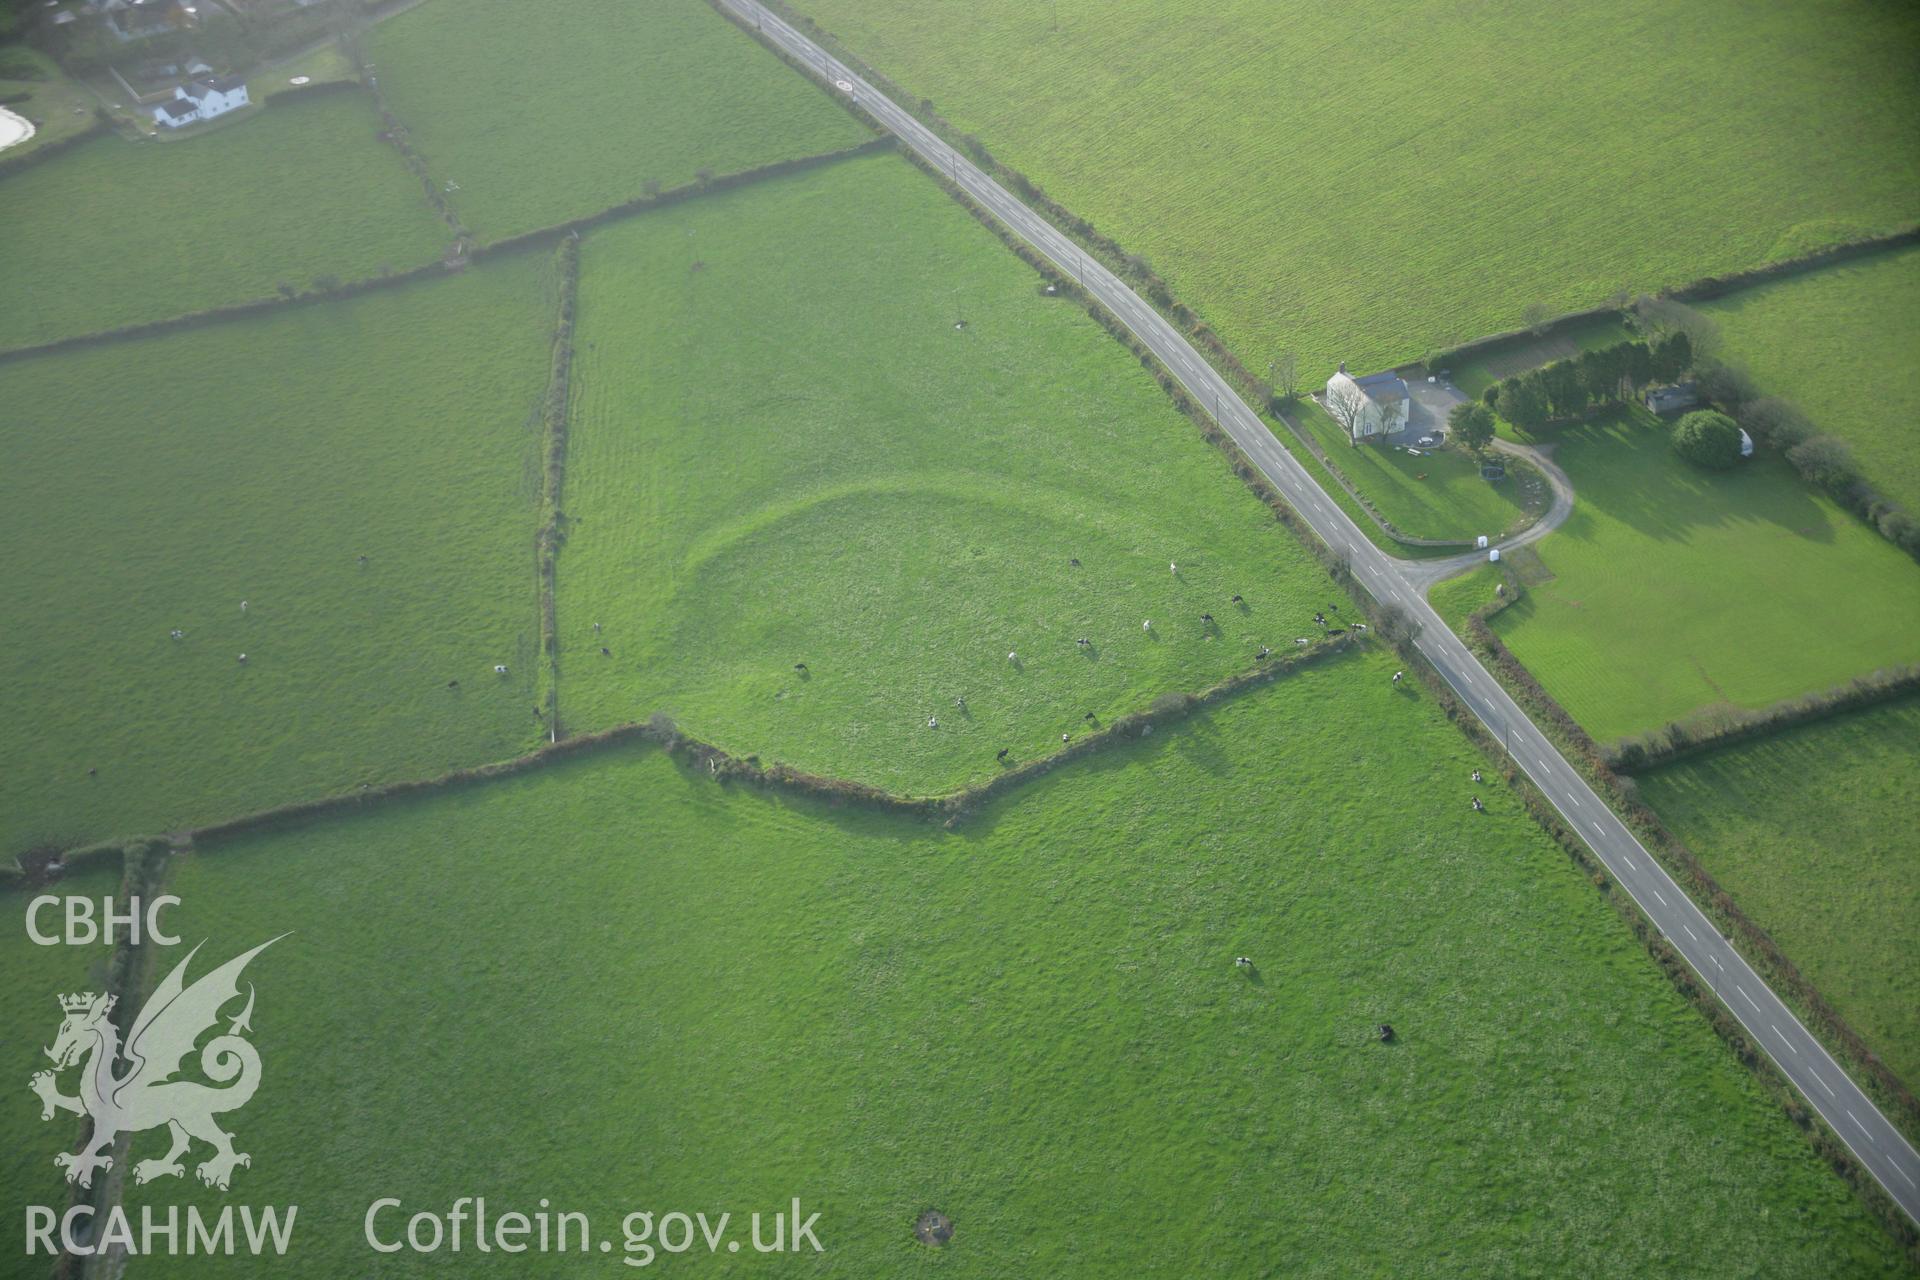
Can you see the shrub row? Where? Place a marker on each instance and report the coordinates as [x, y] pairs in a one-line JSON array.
[[1755, 943], [393, 131], [553, 430], [333, 290], [12, 164], [321, 292], [1718, 727], [722, 765], [1707, 287], [656, 198], [1565, 389], [1823, 461], [1704, 288]]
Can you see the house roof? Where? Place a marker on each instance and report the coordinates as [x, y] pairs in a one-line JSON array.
[[1383, 388], [175, 108], [227, 84]]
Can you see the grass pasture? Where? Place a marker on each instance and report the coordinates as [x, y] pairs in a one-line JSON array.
[[1674, 589], [1370, 181], [114, 233], [155, 484], [1437, 495], [1840, 343], [1811, 831], [777, 459], [706, 998], [625, 93]]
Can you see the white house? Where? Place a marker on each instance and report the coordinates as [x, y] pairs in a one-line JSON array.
[[1377, 404], [201, 100]]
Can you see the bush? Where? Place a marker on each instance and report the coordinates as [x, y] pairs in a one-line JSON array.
[[1777, 421], [1899, 528], [1707, 439], [1826, 462], [1523, 401], [1471, 424], [1727, 385]]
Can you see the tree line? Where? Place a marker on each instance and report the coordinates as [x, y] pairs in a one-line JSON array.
[[1605, 375]]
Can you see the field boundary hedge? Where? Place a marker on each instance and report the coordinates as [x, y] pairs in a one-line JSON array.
[[1715, 728], [394, 131], [1701, 289], [230, 311], [553, 435], [950, 807], [686, 191], [1754, 942], [102, 124]]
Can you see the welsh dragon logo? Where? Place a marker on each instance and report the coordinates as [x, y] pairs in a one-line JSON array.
[[129, 1089]]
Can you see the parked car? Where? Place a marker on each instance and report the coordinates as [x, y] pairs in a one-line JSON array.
[[1428, 440]]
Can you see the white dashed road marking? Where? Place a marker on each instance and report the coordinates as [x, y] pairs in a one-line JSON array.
[[1749, 999]]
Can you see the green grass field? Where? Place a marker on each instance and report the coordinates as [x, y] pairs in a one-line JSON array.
[[625, 94], [1673, 589], [1811, 831], [30, 1013], [155, 484], [779, 459], [1840, 343], [115, 233], [1437, 495], [1368, 182], [628, 988]]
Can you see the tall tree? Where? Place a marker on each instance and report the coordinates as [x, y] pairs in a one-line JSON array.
[[1349, 407], [1672, 354], [1284, 376], [1562, 383], [1472, 424], [1639, 364], [1523, 402]]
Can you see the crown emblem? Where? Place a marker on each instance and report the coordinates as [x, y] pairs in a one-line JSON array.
[[81, 1001]]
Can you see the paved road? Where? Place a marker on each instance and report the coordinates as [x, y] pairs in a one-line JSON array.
[[1769, 1023]]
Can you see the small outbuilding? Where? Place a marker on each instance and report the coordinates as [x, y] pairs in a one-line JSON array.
[[1673, 397]]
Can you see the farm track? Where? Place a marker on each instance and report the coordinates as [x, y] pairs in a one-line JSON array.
[[1423, 574], [1771, 1025]]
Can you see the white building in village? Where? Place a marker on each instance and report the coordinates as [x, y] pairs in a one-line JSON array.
[[201, 100], [1375, 405]]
